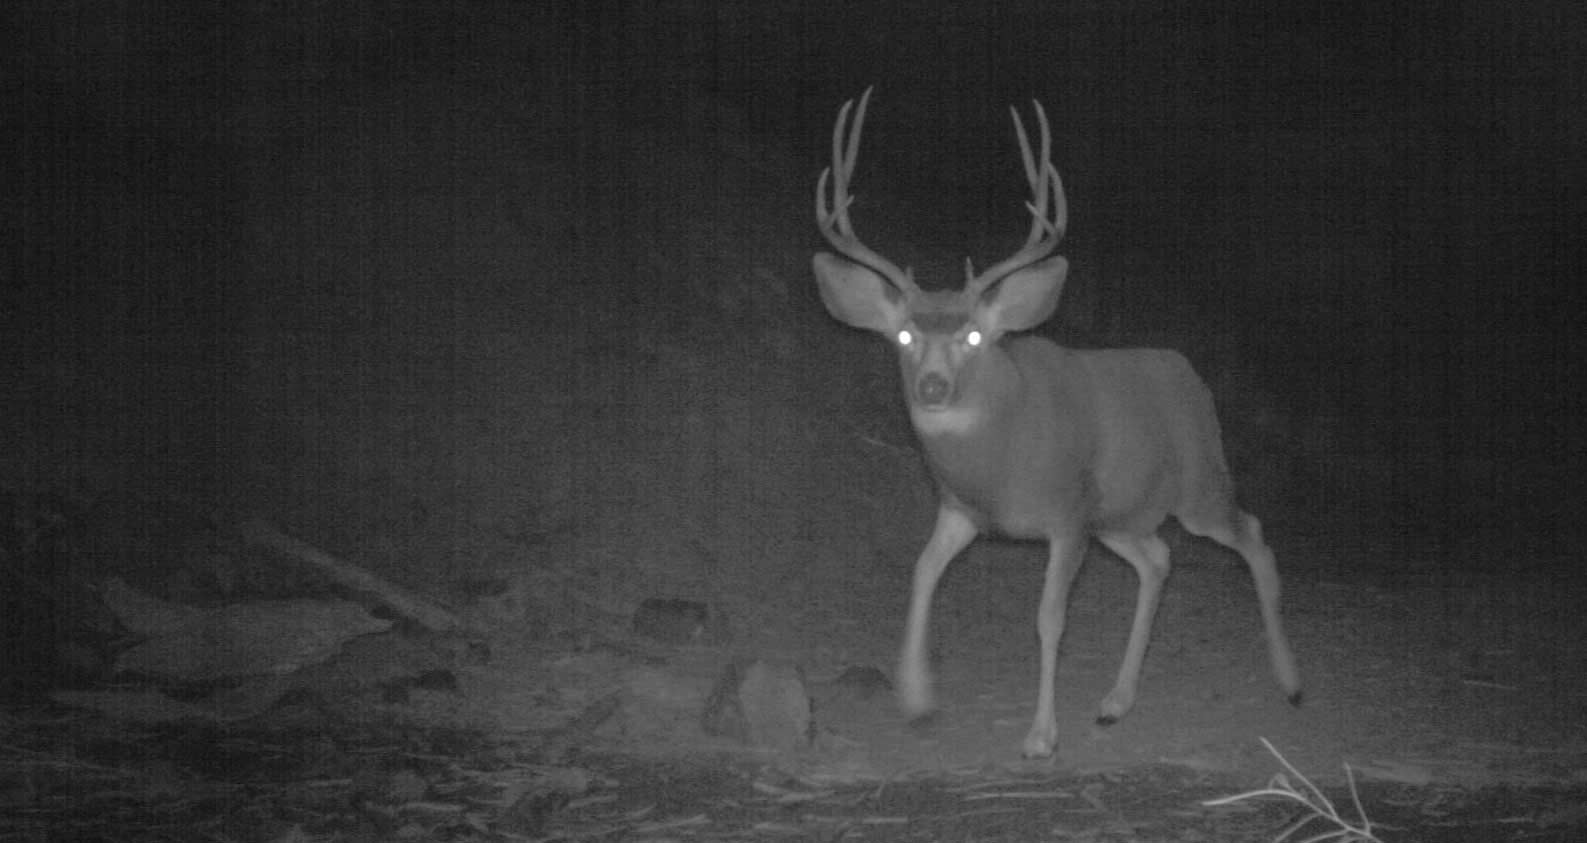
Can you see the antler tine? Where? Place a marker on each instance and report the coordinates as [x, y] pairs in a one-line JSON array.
[[834, 223], [1043, 178]]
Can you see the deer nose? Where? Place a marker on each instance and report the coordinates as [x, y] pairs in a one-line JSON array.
[[933, 389]]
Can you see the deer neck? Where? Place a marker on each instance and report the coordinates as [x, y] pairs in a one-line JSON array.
[[969, 436]]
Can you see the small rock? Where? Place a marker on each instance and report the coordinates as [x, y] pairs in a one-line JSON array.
[[762, 704], [863, 683], [673, 621]]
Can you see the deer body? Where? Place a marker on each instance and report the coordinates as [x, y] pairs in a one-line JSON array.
[[1037, 441], [1089, 440]]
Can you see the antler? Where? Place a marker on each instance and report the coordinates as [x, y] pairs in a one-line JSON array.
[[1044, 233], [834, 223]]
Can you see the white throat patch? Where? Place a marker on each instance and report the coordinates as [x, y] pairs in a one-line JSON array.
[[953, 420]]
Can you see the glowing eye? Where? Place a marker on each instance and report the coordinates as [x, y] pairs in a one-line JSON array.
[[973, 338], [905, 338]]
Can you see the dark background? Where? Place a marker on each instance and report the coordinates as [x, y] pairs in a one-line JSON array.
[[1366, 215]]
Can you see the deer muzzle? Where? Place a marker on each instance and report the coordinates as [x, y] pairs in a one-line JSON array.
[[933, 391]]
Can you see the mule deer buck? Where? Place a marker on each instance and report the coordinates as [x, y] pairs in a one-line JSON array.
[[1038, 441]]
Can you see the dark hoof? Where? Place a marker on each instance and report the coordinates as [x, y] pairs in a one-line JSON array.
[[1106, 720], [924, 722], [1297, 698]]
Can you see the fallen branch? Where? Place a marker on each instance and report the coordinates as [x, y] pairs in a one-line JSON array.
[[350, 576]]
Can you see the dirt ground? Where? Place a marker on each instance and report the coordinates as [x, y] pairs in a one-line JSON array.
[[540, 353]]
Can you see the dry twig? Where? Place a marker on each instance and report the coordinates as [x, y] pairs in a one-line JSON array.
[[1320, 807]]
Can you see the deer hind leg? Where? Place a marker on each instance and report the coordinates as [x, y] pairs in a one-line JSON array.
[[1149, 556], [1242, 533]]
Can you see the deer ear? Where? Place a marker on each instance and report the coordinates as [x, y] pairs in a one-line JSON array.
[[1024, 299], [856, 296]]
